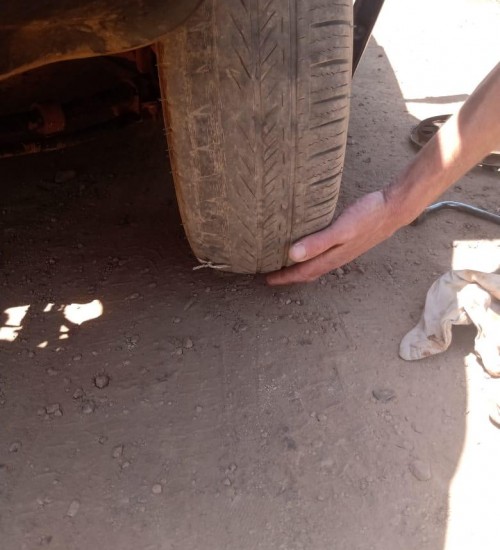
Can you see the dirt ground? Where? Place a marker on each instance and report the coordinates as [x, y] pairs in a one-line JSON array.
[[230, 415]]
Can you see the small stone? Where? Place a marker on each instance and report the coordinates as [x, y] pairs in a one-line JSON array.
[[327, 463], [134, 296], [156, 489], [339, 272], [384, 395], [226, 482], [125, 465], [101, 381], [52, 372], [41, 411], [15, 447], [77, 357], [199, 409], [73, 509], [176, 320], [63, 176], [416, 428], [232, 467], [53, 409], [420, 470], [178, 351], [88, 407], [102, 439], [58, 412], [288, 301], [78, 393], [117, 451], [45, 540], [43, 501], [188, 343]]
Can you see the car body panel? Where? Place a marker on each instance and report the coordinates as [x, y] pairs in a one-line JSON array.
[[35, 33]]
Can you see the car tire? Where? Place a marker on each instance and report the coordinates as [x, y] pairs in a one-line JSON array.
[[256, 102]]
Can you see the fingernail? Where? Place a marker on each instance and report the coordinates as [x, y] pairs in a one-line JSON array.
[[298, 252]]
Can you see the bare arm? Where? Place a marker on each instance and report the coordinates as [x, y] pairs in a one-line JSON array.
[[461, 143]]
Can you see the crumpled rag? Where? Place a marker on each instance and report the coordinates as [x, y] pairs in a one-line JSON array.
[[459, 298]]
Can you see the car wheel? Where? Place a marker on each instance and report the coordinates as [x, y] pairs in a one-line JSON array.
[[256, 101]]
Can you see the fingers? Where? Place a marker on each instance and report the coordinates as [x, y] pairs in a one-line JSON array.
[[288, 276], [308, 271]]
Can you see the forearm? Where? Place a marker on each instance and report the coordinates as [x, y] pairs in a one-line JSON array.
[[460, 144]]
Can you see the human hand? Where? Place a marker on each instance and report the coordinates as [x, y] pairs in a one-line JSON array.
[[366, 223]]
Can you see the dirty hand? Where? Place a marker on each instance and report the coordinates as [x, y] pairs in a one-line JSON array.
[[364, 224]]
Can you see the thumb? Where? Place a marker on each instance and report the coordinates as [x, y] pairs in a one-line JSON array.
[[314, 245]]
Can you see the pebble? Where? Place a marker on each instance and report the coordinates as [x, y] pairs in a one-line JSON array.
[[327, 463], [54, 409], [101, 381], [125, 465], [88, 407], [41, 411], [339, 272], [117, 451], [416, 427], [77, 357], [199, 409], [384, 395], [78, 393], [188, 343], [73, 509], [63, 176], [176, 320], [15, 447], [102, 439], [156, 489], [226, 482], [52, 372], [420, 470], [45, 540]]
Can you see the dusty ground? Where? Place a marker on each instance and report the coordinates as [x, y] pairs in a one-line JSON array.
[[238, 416]]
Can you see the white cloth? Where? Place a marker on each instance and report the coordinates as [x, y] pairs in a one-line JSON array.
[[459, 298]]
